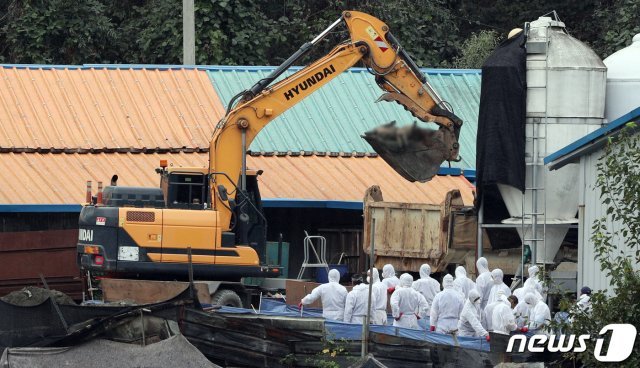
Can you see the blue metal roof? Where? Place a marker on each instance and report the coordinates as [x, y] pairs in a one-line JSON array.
[[40, 208], [310, 203], [266, 203], [589, 143], [332, 119]]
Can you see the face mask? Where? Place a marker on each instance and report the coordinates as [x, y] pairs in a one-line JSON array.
[[368, 279]]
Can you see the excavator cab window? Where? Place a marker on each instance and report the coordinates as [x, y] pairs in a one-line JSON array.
[[187, 191]]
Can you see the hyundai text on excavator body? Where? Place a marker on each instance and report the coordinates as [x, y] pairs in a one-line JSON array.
[[215, 213]]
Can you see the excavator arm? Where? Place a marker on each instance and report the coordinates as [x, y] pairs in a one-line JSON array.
[[415, 153]]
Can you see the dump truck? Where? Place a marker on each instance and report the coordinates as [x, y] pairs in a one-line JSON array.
[[406, 235]]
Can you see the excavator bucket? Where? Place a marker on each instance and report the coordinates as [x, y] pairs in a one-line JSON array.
[[413, 152]]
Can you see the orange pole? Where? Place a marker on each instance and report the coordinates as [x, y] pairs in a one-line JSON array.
[[88, 197]]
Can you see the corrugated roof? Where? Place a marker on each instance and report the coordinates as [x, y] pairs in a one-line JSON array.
[[47, 178], [98, 108], [333, 118], [589, 143]]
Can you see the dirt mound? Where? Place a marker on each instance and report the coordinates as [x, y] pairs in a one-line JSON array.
[[32, 295]]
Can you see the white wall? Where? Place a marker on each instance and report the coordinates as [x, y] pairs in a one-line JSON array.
[[589, 273]]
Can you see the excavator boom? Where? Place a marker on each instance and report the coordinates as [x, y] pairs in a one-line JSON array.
[[414, 152]]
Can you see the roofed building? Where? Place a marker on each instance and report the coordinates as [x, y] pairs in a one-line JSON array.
[[64, 125]]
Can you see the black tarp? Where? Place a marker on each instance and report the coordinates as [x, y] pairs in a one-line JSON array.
[[40, 325], [500, 156]]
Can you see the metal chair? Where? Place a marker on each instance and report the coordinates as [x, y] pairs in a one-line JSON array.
[[320, 253]]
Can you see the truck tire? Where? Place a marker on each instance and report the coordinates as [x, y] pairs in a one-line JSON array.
[[226, 298]]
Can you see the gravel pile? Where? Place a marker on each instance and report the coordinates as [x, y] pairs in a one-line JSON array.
[[32, 295]]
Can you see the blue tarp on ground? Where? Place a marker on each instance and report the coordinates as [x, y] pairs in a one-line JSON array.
[[274, 307]]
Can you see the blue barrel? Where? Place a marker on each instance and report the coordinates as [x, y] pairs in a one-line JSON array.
[[322, 277]]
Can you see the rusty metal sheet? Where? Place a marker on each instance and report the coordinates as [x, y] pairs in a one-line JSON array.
[[298, 289], [147, 291], [26, 254]]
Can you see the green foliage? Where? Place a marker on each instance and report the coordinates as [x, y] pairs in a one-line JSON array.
[[332, 355], [618, 182], [239, 32], [154, 33], [57, 31], [617, 22], [265, 32], [476, 49]]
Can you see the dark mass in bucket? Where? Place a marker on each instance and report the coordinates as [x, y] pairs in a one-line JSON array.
[[413, 152]]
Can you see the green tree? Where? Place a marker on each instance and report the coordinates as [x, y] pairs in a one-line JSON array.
[[476, 49], [617, 23], [54, 31], [250, 32], [616, 237]]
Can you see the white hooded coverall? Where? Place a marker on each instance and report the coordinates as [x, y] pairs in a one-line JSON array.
[[533, 281], [332, 295], [355, 308], [498, 284], [584, 303], [521, 311], [379, 316], [426, 285], [503, 320], [462, 283], [484, 282], [539, 313], [389, 278], [446, 307], [407, 304], [487, 314], [469, 323]]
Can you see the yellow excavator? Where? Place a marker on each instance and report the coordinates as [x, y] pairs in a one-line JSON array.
[[215, 213]]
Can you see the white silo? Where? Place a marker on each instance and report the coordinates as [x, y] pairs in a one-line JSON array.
[[565, 101], [623, 80]]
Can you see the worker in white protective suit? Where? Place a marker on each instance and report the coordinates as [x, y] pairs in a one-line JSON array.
[[521, 311], [379, 316], [426, 285], [533, 280], [462, 283], [407, 305], [332, 296], [528, 288], [584, 301], [503, 320], [355, 307], [389, 278], [484, 283], [487, 313], [498, 284], [446, 307], [469, 323], [539, 313]]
